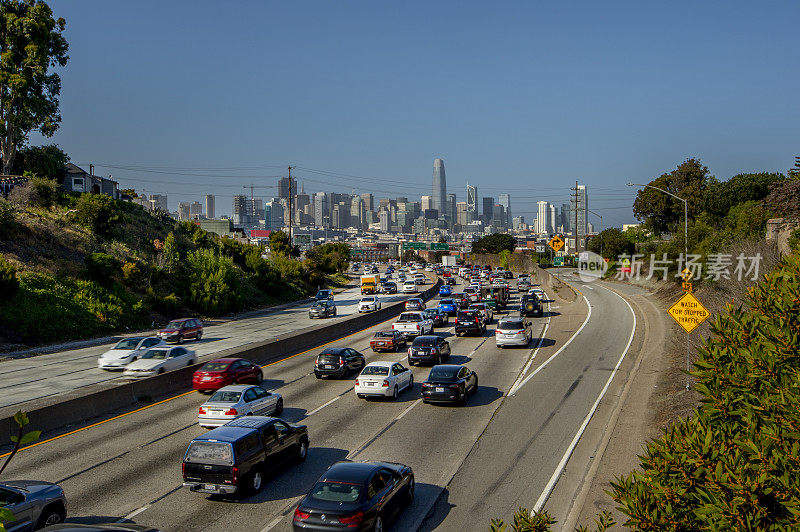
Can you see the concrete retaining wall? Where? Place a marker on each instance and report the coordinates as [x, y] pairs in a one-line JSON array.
[[79, 406]]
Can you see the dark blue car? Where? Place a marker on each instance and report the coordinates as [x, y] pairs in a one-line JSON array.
[[445, 290], [448, 307]]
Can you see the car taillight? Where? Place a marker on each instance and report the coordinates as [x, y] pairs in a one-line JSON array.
[[385, 383], [231, 412], [201, 410], [426, 385], [341, 361], [299, 516], [183, 469], [409, 350], [433, 350], [356, 382], [235, 474], [417, 327], [352, 520]]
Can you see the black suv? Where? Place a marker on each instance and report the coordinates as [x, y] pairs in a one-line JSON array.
[[338, 362], [233, 459], [324, 293], [430, 349], [530, 306], [469, 322]]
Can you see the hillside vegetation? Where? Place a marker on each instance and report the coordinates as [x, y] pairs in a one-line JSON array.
[[78, 266]]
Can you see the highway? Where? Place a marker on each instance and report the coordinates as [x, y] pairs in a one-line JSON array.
[[46, 375], [474, 463]]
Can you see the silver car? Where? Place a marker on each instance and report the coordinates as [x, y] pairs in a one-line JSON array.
[[235, 401], [34, 504], [513, 331], [126, 351]]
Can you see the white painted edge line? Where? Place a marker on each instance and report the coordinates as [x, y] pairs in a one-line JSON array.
[[515, 386], [563, 463], [272, 524], [323, 406], [546, 362], [407, 410], [589, 287], [133, 514]]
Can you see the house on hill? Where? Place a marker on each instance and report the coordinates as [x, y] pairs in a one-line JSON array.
[[75, 179]]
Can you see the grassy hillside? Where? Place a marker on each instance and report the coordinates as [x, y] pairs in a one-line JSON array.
[[88, 265]]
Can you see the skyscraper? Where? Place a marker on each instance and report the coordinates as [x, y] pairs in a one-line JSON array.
[[505, 201], [472, 203], [439, 196], [488, 205], [543, 217], [450, 211], [195, 210], [580, 206], [183, 210], [322, 210], [210, 211], [566, 217]]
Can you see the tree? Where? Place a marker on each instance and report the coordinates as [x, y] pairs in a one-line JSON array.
[[612, 242], [661, 211], [784, 198], [720, 196], [279, 243], [41, 161], [31, 42], [495, 243]]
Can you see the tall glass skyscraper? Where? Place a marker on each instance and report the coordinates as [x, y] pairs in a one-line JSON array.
[[439, 196]]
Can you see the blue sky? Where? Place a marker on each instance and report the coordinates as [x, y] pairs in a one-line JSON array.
[[519, 97]]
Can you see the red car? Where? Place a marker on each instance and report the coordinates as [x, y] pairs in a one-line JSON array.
[[388, 341], [224, 371], [178, 330]]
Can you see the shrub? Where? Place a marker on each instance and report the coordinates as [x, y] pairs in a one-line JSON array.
[[168, 304], [9, 284], [97, 212], [37, 192], [131, 273], [102, 267], [794, 240], [214, 283], [8, 218]]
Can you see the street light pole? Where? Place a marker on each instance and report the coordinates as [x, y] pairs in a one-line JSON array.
[[685, 253]]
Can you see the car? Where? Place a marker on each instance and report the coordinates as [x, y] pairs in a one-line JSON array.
[[126, 351], [389, 287], [356, 496], [538, 292], [473, 293], [179, 330], [413, 323], [157, 360], [388, 341], [34, 503], [221, 372], [445, 290], [383, 379], [462, 301], [390, 269], [324, 294], [338, 362], [523, 285], [415, 303], [439, 318], [428, 349], [237, 400], [513, 331], [369, 304], [409, 287], [485, 309], [450, 281], [322, 309], [420, 278], [508, 274], [530, 305], [234, 458], [429, 268], [449, 383], [469, 322], [448, 307]]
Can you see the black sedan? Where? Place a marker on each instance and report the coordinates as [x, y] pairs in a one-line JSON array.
[[356, 496], [449, 383], [389, 287], [440, 319]]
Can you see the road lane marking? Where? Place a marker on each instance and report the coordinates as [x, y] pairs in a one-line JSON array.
[[272, 524], [323, 406], [546, 362], [515, 386], [407, 410], [133, 514], [564, 459]]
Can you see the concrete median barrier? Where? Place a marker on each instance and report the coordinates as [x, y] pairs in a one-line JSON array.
[[103, 399]]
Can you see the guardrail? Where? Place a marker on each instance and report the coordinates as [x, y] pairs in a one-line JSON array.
[[78, 406]]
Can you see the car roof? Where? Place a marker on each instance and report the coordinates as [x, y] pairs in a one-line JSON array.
[[224, 360], [180, 320], [333, 350], [252, 422], [236, 387], [381, 364], [448, 366], [225, 433], [355, 472], [427, 337]]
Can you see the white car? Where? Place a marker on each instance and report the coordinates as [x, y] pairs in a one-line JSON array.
[[231, 402], [428, 268], [383, 379], [369, 303], [420, 278], [539, 293], [412, 271], [158, 360], [126, 351], [513, 331], [409, 287]]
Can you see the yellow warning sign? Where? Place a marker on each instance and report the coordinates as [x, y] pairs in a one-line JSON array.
[[556, 243], [688, 312]]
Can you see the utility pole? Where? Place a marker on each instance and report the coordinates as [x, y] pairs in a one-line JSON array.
[[575, 229], [290, 200]]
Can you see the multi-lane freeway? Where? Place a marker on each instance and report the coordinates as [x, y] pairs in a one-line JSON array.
[[507, 448]]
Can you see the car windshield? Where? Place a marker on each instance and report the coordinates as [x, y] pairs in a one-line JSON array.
[[383, 334], [225, 396], [446, 302], [367, 299], [174, 325], [376, 370], [332, 491], [430, 312], [155, 354], [209, 452], [443, 373], [466, 315], [410, 317], [424, 342], [128, 343], [321, 304], [215, 366]]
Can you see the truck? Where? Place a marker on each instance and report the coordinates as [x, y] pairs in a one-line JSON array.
[[413, 323], [448, 260], [370, 284]]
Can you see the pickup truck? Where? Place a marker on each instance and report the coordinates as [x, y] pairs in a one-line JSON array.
[[413, 324]]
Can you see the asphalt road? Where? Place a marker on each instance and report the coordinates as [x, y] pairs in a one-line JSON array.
[[26, 379], [472, 463]]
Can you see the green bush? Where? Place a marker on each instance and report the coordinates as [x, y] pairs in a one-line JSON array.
[[167, 305], [98, 212], [214, 283], [102, 267], [37, 192], [794, 240], [8, 219], [9, 284]]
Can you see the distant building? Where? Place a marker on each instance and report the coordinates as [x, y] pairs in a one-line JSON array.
[[439, 196], [383, 216], [488, 206], [580, 203], [75, 179], [210, 211], [273, 215], [247, 212], [472, 202], [183, 211], [505, 201], [221, 227], [158, 202], [195, 210]]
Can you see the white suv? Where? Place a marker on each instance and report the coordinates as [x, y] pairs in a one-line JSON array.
[[369, 303]]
